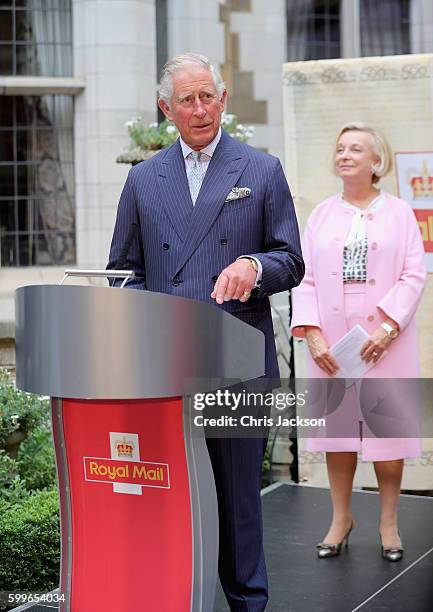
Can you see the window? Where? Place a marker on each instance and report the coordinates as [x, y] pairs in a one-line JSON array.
[[37, 217], [385, 27], [36, 37], [313, 29]]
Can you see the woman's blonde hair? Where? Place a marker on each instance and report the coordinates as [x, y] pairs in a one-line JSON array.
[[381, 148]]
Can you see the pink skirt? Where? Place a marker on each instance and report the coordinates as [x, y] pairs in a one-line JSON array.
[[348, 417]]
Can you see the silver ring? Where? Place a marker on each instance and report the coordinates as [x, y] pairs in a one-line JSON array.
[[375, 354]]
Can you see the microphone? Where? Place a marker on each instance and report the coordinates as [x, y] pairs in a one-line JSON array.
[[121, 262]]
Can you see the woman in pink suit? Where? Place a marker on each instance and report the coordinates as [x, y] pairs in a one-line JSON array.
[[364, 263]]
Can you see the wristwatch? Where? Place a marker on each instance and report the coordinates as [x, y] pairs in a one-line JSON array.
[[390, 330]]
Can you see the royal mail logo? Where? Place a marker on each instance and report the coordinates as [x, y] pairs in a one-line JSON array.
[[142, 473], [124, 470]]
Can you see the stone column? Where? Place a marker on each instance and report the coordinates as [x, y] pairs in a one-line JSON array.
[[115, 52], [421, 26], [350, 32], [194, 25]]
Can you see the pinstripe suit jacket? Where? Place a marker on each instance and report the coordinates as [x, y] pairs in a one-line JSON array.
[[181, 249]]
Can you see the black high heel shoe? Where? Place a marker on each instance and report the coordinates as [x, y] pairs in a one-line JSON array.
[[325, 551], [391, 554]]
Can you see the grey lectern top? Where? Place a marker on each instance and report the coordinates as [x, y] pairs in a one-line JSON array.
[[112, 343]]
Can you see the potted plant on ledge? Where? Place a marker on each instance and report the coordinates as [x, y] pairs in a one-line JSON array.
[[146, 141]]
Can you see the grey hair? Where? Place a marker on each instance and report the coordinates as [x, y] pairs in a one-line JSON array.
[[165, 90], [380, 144]]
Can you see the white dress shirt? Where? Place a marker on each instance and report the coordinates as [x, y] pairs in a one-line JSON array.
[[206, 154], [357, 230], [355, 252]]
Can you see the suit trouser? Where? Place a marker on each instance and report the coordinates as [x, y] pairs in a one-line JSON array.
[[237, 467]]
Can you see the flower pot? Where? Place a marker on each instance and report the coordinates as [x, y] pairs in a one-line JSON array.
[[12, 442], [135, 156]]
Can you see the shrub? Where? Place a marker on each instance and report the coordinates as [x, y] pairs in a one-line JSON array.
[[29, 519], [30, 543], [35, 459], [12, 488]]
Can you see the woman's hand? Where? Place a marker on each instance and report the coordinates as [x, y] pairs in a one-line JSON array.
[[319, 350], [375, 345]]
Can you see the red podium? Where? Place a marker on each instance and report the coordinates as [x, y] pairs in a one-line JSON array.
[[139, 515]]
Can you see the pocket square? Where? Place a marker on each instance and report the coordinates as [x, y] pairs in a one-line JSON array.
[[237, 193]]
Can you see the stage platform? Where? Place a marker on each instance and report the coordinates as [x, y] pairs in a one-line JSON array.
[[296, 518]]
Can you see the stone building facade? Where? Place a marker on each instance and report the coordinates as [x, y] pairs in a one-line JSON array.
[[72, 72]]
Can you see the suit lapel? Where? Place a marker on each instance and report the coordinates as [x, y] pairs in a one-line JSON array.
[[174, 189], [224, 170]]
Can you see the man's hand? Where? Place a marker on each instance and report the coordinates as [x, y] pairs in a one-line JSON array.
[[235, 282], [319, 350], [377, 343]]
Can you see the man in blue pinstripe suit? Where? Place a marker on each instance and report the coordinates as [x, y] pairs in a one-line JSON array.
[[216, 223]]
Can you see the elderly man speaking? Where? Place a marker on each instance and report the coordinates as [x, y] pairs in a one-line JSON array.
[[200, 239]]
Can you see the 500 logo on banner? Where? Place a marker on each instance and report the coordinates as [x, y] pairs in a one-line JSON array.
[[124, 470]]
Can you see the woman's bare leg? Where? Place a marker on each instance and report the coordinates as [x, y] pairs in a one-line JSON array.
[[341, 470], [389, 475]]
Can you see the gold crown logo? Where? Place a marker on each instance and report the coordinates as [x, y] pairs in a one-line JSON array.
[[124, 448], [422, 184]]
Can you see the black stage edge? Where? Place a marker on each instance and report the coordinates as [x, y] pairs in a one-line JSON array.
[[297, 517]]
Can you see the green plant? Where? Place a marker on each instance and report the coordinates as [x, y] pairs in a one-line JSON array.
[[36, 463], [153, 137], [20, 413], [12, 488], [26, 450], [30, 543], [237, 130], [29, 518]]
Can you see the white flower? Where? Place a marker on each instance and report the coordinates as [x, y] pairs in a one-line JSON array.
[[240, 127], [132, 122], [153, 125], [227, 118], [170, 129]]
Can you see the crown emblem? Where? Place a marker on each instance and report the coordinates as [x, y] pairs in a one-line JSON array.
[[124, 447], [422, 183]]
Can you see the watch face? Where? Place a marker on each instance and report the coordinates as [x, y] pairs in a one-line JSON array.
[[390, 330]]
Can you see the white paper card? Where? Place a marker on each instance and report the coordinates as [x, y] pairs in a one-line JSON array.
[[347, 352]]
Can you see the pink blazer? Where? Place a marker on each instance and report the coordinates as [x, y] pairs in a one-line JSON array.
[[395, 280], [396, 277]]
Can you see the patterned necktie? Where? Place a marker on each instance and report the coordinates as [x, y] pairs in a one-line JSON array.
[[196, 175]]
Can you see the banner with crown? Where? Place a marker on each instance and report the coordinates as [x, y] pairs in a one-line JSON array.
[[414, 171]]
